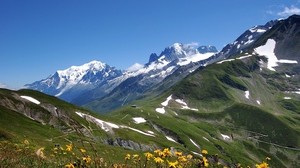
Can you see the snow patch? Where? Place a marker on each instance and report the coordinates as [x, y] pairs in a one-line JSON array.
[[150, 132], [139, 120], [287, 98], [205, 139], [184, 105], [106, 126], [195, 143], [165, 103], [161, 110], [247, 94], [267, 50], [194, 58], [198, 154], [170, 139], [135, 67], [138, 131], [227, 60], [258, 102], [31, 99], [225, 137], [243, 57], [288, 76]]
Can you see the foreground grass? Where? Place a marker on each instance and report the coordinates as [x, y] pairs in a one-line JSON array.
[[25, 154]]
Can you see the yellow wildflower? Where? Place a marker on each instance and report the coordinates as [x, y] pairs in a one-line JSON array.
[[69, 166], [82, 150], [127, 157], [40, 153], [157, 151], [205, 162], [178, 154], [167, 152], [87, 159], [26, 142], [158, 160], [69, 147], [204, 152], [189, 156], [182, 159], [262, 165], [148, 155], [172, 164], [135, 156]]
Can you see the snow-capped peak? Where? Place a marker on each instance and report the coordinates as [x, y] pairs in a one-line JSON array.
[[74, 70]]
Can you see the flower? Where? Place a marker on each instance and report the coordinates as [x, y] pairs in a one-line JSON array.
[[158, 160], [262, 165], [26, 142], [166, 152], [40, 153], [127, 157], [69, 166], [189, 156], [87, 159], [82, 150], [205, 162], [69, 147], [204, 152], [172, 164], [148, 155], [182, 159], [178, 154]]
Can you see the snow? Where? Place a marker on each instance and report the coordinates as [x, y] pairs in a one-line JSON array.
[[227, 60], [150, 132], [243, 57], [258, 102], [175, 113], [287, 98], [238, 46], [194, 58], [71, 76], [247, 94], [170, 139], [184, 105], [106, 126], [181, 102], [260, 30], [31, 99], [205, 139], [139, 120], [288, 76], [194, 143], [161, 110], [225, 137], [135, 67], [267, 50], [195, 153], [165, 103], [138, 131], [284, 61]]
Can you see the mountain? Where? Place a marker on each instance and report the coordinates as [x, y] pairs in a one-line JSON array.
[[76, 80], [95, 80], [135, 84], [241, 109]]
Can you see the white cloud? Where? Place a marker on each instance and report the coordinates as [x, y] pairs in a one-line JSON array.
[[192, 45], [3, 85], [287, 11], [135, 67]]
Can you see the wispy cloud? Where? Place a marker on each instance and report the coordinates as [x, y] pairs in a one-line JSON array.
[[2, 85], [287, 11], [135, 67]]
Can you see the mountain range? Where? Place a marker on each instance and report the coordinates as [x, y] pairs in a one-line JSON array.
[[242, 103], [102, 88]]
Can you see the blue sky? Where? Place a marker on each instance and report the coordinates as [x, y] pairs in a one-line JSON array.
[[38, 37]]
